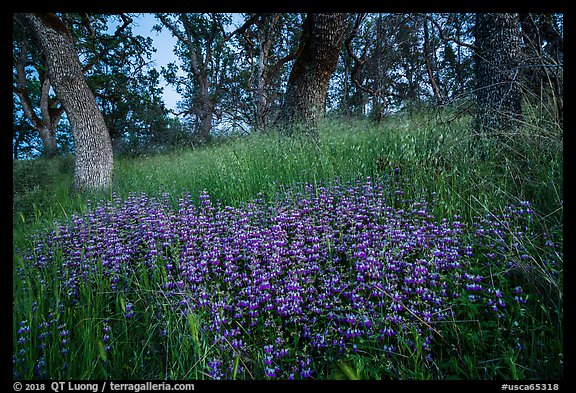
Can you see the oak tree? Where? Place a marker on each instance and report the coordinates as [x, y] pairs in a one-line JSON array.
[[319, 49], [41, 108], [498, 98], [92, 144]]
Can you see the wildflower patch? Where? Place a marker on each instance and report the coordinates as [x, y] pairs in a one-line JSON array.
[[273, 287]]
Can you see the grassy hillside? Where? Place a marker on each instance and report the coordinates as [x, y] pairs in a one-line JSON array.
[[508, 200], [433, 149]]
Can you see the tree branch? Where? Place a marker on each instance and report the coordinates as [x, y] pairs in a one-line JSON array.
[[44, 101], [86, 22], [447, 38], [175, 32], [20, 88], [289, 57], [242, 29], [358, 63], [194, 62]]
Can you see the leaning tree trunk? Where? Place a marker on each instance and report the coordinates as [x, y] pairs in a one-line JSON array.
[[92, 144], [430, 64], [305, 97], [498, 95]]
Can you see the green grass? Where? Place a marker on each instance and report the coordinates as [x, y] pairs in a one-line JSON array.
[[429, 151], [433, 150]]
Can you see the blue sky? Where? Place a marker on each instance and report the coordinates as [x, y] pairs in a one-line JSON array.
[[164, 43]]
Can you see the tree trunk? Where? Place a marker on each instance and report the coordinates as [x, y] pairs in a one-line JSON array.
[[265, 38], [498, 96], [205, 109], [48, 137], [430, 64], [205, 127], [305, 98], [45, 126], [200, 53], [50, 116], [459, 68], [92, 144]]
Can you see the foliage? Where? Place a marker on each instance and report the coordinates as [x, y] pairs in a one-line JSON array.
[[129, 302], [244, 62], [115, 66], [384, 68], [286, 287]]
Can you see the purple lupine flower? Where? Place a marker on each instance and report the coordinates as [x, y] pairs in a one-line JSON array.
[[129, 311], [327, 264]]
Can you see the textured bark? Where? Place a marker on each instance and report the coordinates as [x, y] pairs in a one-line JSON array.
[[46, 126], [205, 109], [305, 98], [48, 137], [498, 96], [265, 37], [50, 118], [92, 144]]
